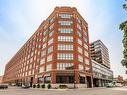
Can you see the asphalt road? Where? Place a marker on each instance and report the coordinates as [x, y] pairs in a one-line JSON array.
[[85, 91]]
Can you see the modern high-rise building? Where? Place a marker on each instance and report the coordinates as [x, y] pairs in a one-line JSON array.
[[57, 53], [102, 74], [99, 53]]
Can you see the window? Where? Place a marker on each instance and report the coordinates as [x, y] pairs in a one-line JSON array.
[[80, 50], [65, 15], [34, 58], [79, 34], [87, 61], [41, 69], [49, 67], [78, 20], [85, 46], [43, 53], [44, 45], [50, 27], [81, 68], [85, 33], [86, 40], [65, 30], [80, 42], [78, 26], [51, 33], [86, 53], [30, 66], [29, 73], [65, 38], [64, 56], [80, 58], [40, 79], [47, 79], [44, 39], [45, 32], [42, 61], [51, 20], [31, 60], [87, 69], [62, 22], [64, 66], [65, 47], [50, 49], [49, 58], [50, 41]]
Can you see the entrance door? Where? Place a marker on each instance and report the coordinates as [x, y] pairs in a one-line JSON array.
[[31, 81], [89, 85]]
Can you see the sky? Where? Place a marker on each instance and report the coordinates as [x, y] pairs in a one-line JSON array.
[[21, 18]]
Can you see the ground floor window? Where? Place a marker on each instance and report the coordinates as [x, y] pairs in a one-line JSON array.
[[47, 79], [65, 79], [82, 79], [40, 80]]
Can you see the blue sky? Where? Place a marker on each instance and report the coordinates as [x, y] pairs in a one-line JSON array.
[[19, 20]]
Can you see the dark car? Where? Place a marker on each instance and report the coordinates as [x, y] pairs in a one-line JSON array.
[[3, 86]]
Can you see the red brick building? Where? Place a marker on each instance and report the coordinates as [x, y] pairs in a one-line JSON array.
[[58, 52], [1, 79]]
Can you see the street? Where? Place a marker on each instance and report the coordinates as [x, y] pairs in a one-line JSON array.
[[85, 91]]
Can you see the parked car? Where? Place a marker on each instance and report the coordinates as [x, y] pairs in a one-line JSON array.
[[3, 86], [25, 86], [13, 84], [109, 85]]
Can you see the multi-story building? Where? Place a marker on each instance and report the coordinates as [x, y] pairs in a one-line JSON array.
[[1, 79], [99, 53], [101, 74], [100, 64], [58, 52]]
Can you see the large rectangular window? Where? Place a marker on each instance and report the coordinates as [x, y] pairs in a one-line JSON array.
[[80, 58], [86, 53], [50, 41], [65, 30], [49, 58], [65, 66], [42, 61], [80, 42], [50, 27], [43, 53], [80, 50], [51, 20], [87, 61], [86, 40], [81, 68], [79, 34], [65, 15], [65, 56], [65, 38], [65, 47], [86, 46], [78, 26], [49, 67], [44, 46], [41, 69], [50, 49], [51, 33], [63, 22]]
